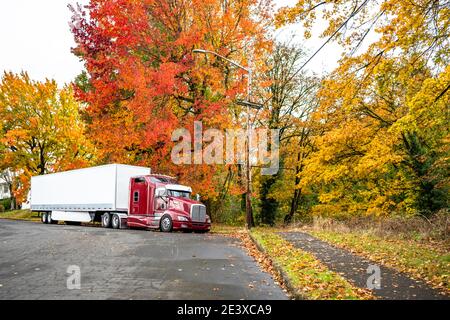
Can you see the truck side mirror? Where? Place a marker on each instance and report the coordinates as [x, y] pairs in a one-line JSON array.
[[197, 197], [163, 197]]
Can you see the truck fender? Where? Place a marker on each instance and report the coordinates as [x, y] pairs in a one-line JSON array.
[[173, 213]]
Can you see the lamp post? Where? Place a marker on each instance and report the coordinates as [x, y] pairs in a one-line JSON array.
[[248, 104]]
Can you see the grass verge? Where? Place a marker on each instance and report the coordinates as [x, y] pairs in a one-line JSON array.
[[219, 228], [305, 274], [429, 262], [20, 215]]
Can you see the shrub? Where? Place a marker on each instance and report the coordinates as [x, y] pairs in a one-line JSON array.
[[6, 204], [2, 208]]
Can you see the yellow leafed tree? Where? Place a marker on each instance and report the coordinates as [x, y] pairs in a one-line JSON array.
[[41, 130], [384, 113]]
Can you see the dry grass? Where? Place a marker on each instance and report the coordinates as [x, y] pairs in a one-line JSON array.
[[20, 215], [436, 228]]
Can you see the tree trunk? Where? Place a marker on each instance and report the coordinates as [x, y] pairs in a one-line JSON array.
[[294, 205], [13, 202], [297, 193], [269, 206]]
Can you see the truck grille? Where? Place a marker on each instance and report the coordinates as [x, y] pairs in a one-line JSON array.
[[198, 213]]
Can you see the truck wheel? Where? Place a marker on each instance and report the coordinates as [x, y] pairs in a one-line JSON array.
[[166, 224], [44, 217], [106, 220], [115, 221]]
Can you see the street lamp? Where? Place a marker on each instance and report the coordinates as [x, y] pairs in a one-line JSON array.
[[248, 104]]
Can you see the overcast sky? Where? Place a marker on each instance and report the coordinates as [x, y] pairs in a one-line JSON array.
[[35, 37]]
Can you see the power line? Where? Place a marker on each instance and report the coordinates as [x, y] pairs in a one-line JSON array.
[[334, 33], [328, 40]]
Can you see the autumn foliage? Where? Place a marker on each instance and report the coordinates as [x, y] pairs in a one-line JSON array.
[[383, 115], [370, 138], [143, 81]]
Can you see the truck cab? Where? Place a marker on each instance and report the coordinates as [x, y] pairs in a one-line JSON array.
[[159, 202]]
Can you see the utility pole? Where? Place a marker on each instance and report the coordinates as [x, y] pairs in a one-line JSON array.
[[248, 200], [248, 104]]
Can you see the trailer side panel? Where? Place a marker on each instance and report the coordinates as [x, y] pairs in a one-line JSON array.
[[90, 189]]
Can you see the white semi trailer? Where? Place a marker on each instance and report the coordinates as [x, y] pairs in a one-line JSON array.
[[83, 195], [119, 196]]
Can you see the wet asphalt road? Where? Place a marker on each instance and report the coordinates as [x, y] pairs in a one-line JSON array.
[[125, 264]]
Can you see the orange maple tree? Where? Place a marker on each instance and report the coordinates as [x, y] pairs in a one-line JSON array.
[[142, 81]]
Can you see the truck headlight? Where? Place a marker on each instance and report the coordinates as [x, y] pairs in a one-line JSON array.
[[208, 219], [182, 218]]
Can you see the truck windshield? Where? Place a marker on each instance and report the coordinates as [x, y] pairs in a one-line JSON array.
[[181, 194]]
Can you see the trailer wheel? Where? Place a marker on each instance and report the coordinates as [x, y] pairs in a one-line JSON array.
[[49, 218], [166, 224], [115, 221], [106, 220], [44, 217]]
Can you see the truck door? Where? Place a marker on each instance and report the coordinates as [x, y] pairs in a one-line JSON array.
[[138, 196], [160, 202]]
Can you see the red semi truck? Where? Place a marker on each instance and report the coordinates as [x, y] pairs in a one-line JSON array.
[[118, 196]]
